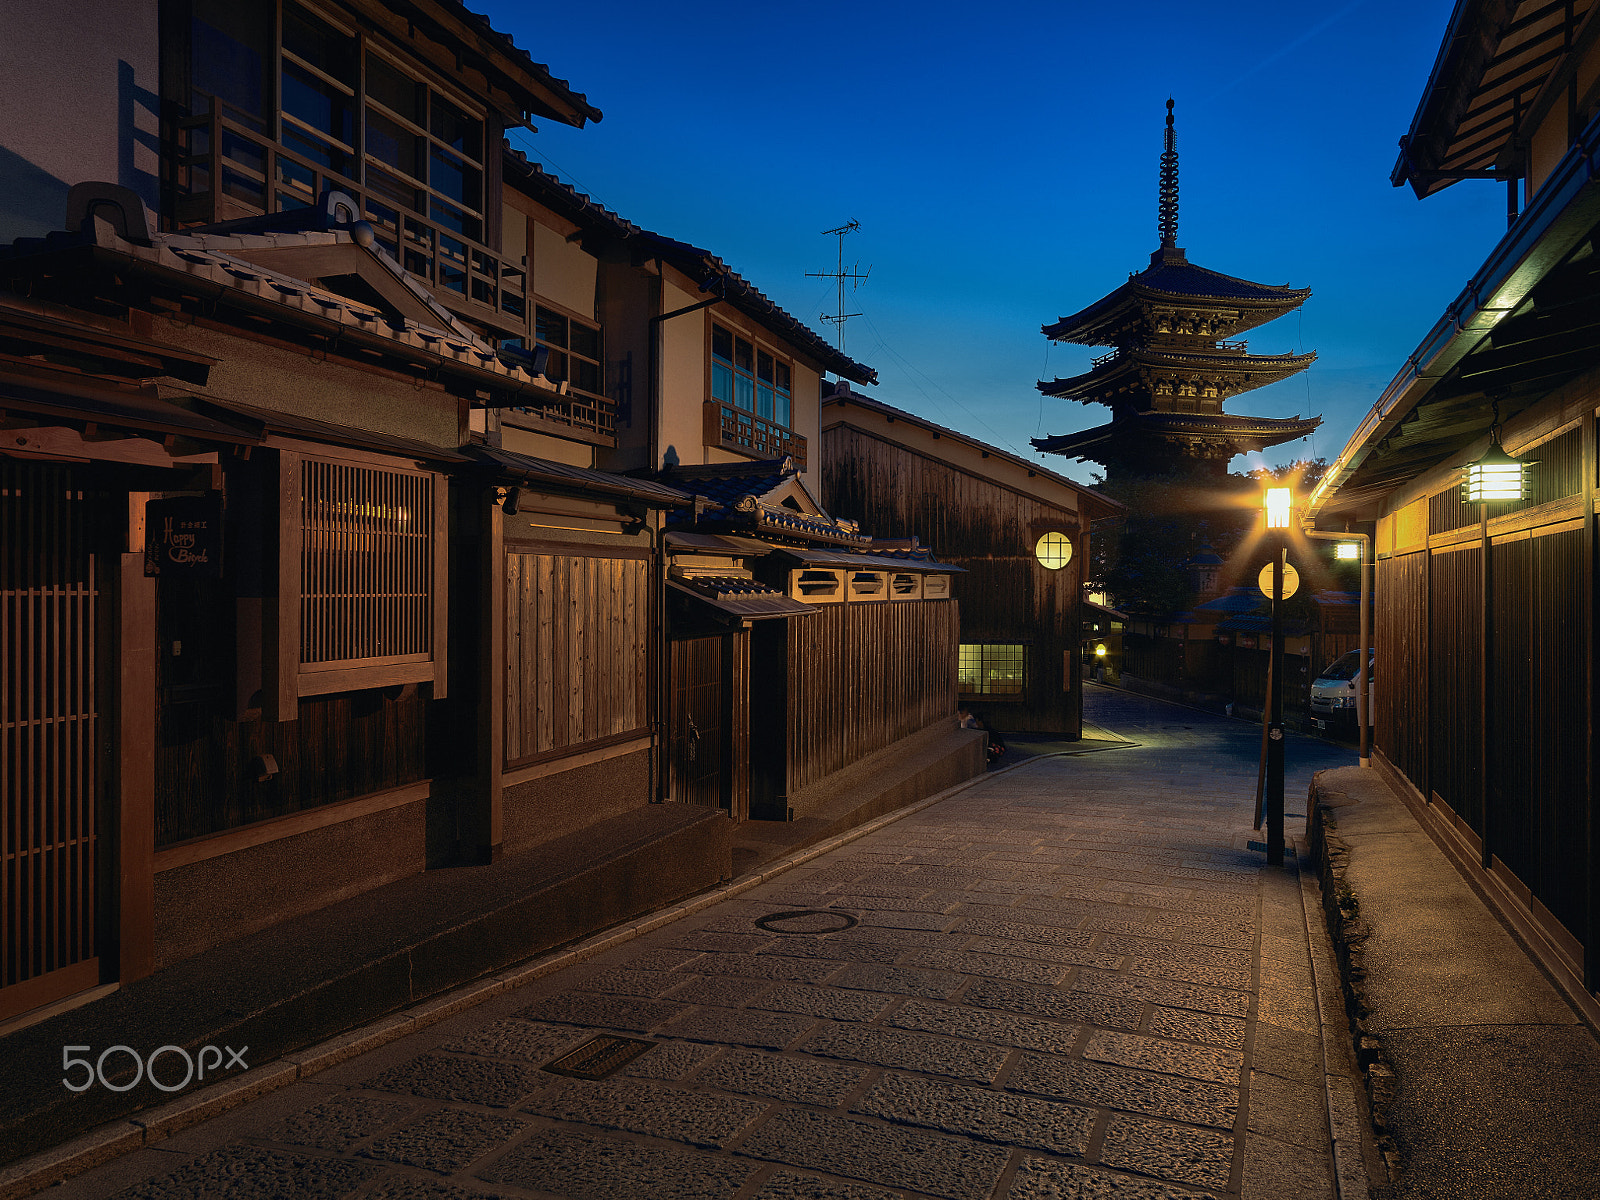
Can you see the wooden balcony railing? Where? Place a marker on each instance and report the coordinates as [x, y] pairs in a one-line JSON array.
[[224, 170], [731, 428]]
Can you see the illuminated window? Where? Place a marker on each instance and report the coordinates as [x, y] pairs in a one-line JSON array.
[[990, 669], [1053, 550]]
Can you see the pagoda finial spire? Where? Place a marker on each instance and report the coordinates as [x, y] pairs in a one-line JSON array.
[[1168, 220]]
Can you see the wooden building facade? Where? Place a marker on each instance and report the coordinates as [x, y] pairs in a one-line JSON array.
[[263, 549], [330, 550], [1486, 612], [1019, 532]]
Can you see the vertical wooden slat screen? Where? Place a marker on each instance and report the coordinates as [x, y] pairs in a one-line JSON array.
[[48, 735], [1401, 642], [367, 564], [577, 651], [864, 675]]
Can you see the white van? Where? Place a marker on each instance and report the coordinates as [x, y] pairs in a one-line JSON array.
[[1333, 693]]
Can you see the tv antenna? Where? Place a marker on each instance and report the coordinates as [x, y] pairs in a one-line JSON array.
[[838, 319]]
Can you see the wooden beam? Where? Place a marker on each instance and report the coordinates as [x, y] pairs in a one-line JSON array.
[[135, 765]]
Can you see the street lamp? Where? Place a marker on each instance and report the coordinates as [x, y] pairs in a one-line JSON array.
[[1278, 505]]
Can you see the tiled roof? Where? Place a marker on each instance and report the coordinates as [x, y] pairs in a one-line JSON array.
[[514, 466], [480, 24]]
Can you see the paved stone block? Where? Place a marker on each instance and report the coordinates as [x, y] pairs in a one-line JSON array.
[[532, 1041], [1183, 1155], [904, 981], [445, 1140], [1118, 1012], [908, 1051], [839, 950], [669, 1060], [993, 966], [1107, 1086], [903, 1158], [1205, 974], [653, 1109], [835, 1004], [728, 991], [1161, 991], [626, 982], [410, 1187], [602, 1012], [865, 905], [983, 1025], [792, 1185], [1028, 931], [935, 921], [1233, 935], [662, 958], [766, 966], [339, 1122], [448, 1077], [1290, 1112], [1022, 885], [797, 1080], [1273, 1169], [254, 1173], [740, 1027], [979, 1113], [1198, 1027], [1288, 1053], [1172, 1058], [731, 943], [1039, 1179], [1076, 956], [567, 1163], [1175, 951]]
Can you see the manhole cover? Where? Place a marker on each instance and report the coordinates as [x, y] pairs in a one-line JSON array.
[[599, 1057], [807, 920]]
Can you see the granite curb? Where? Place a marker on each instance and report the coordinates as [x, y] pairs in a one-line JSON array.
[[1341, 909]]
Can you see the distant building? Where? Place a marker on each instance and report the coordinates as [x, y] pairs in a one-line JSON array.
[[1019, 532], [1486, 628], [1168, 372]]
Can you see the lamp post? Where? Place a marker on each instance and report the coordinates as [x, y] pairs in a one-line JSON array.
[[1279, 505]]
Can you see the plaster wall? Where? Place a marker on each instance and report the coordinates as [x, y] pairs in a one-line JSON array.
[[681, 419], [562, 271], [540, 445], [78, 102], [543, 810], [287, 380]]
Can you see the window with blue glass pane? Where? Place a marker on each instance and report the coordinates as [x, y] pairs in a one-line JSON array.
[[748, 378]]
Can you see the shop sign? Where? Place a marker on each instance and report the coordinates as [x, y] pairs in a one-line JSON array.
[[183, 536]]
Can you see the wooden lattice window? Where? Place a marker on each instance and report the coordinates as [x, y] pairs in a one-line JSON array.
[[361, 591]]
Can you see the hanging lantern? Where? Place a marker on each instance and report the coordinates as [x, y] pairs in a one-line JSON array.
[[1495, 476]]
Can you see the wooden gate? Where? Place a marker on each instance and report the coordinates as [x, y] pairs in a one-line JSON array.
[[697, 711], [49, 733]]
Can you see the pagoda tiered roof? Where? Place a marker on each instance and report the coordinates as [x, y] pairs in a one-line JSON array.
[[1203, 435], [1214, 372], [1169, 371], [1172, 288]]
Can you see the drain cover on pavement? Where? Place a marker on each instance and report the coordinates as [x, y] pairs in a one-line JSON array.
[[807, 920], [599, 1057]]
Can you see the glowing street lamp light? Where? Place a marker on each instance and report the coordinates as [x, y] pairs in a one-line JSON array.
[[1280, 507]]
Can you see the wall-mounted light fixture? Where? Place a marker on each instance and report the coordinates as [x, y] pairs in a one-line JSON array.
[[1348, 551], [1495, 476]]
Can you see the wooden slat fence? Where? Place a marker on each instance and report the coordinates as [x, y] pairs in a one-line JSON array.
[[864, 675], [577, 651], [49, 727]]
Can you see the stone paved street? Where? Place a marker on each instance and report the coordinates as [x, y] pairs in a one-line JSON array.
[[1072, 979]]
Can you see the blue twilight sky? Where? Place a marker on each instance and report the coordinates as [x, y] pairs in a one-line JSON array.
[[1002, 161]]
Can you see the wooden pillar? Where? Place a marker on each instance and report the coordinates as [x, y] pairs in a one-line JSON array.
[[484, 828], [133, 758], [1486, 681], [1590, 646]]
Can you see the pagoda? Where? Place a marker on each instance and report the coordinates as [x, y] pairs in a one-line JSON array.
[[1170, 370]]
